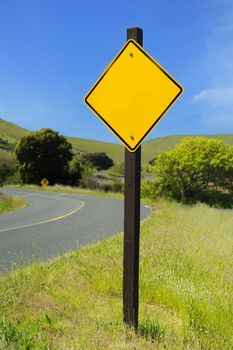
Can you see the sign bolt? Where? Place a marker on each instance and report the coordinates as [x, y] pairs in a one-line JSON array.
[[131, 54], [132, 137]]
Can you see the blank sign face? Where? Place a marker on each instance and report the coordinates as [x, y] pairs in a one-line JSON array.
[[132, 95]]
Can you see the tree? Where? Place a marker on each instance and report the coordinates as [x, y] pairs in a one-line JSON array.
[[98, 160], [75, 172], [43, 154], [198, 169]]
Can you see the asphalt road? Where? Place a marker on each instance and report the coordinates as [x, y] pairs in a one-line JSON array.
[[56, 223]]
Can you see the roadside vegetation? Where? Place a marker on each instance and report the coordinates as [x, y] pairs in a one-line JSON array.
[[197, 170], [75, 301], [70, 189], [9, 204], [186, 291], [150, 149], [47, 154]]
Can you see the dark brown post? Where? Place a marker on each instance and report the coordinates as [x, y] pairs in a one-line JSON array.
[[132, 222]]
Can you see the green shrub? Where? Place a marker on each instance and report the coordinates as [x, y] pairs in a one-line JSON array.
[[198, 169], [74, 172], [14, 179], [151, 189], [114, 186], [117, 186], [89, 181], [100, 160]]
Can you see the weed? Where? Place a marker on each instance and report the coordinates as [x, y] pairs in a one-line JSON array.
[[151, 331], [20, 337]]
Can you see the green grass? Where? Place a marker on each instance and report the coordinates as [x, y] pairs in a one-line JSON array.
[[5, 156], [114, 151], [68, 189], [11, 132], [9, 204], [75, 301]]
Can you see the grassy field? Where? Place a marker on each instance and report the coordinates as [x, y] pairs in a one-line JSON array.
[[75, 301], [5, 156], [114, 151], [150, 149], [10, 131], [8, 204]]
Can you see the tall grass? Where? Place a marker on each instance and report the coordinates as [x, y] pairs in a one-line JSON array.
[[75, 301], [8, 204]]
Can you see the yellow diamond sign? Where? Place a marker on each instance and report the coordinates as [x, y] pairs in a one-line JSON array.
[[44, 182], [132, 95]]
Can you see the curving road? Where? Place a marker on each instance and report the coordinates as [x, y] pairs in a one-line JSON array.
[[56, 223]]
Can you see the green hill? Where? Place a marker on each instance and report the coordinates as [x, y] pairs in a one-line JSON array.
[[150, 149], [11, 133], [114, 151], [153, 147]]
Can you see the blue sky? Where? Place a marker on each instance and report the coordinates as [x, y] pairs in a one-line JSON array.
[[52, 51]]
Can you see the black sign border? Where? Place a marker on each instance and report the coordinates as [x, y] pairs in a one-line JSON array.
[[106, 71]]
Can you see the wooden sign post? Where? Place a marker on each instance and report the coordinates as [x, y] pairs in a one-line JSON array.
[[130, 97], [132, 222]]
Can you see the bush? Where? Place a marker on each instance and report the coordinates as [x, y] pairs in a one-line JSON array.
[[114, 186], [117, 186], [14, 179], [89, 181], [74, 172], [151, 189], [199, 169], [100, 161]]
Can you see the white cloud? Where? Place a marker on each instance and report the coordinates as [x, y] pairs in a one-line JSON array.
[[216, 96], [216, 108]]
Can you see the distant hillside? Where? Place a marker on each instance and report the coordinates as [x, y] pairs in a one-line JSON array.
[[114, 151], [153, 147], [150, 149], [11, 132]]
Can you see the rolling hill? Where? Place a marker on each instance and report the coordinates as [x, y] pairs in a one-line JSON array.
[[150, 149], [11, 133]]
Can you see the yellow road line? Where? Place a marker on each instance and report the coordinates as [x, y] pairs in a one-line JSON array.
[[45, 221]]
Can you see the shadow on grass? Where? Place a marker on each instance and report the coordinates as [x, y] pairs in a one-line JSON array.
[[214, 199]]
